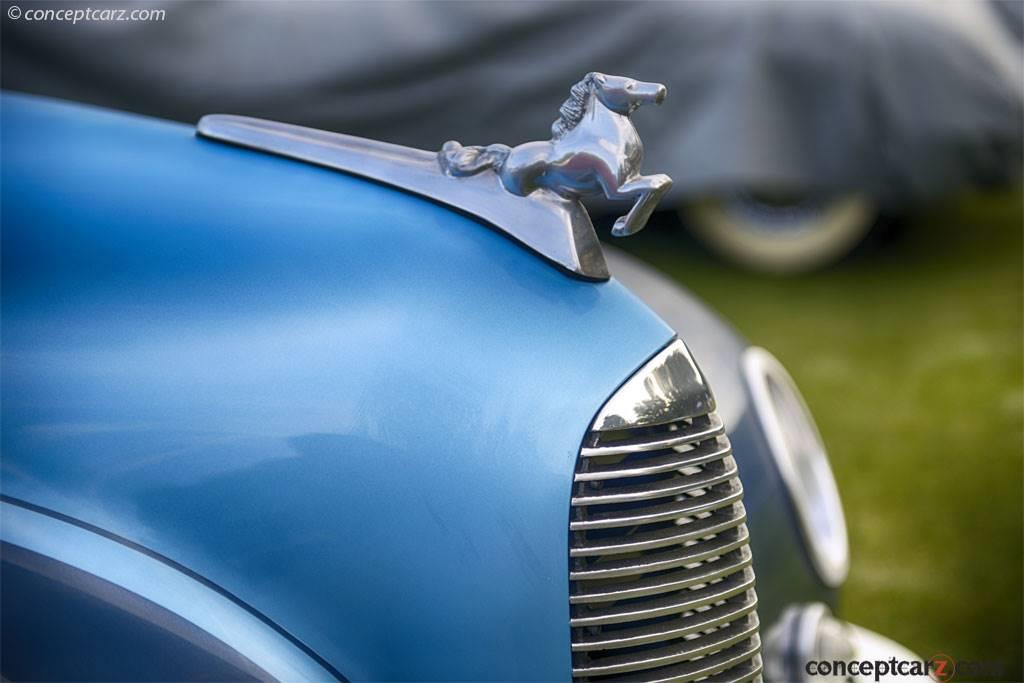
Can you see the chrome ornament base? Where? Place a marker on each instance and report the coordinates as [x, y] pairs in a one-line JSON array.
[[530, 193]]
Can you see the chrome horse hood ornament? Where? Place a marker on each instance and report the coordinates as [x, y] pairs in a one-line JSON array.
[[530, 193], [594, 149]]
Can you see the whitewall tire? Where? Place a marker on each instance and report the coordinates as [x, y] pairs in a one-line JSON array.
[[781, 236]]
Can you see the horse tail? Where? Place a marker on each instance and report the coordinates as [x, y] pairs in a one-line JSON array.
[[457, 160]]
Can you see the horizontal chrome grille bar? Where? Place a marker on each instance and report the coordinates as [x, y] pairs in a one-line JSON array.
[[590, 592], [705, 453], [745, 672], [666, 440], [670, 604], [701, 669], [670, 559], [712, 500], [660, 489], [677, 651], [651, 633], [720, 520]]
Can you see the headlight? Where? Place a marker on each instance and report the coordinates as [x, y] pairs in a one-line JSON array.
[[800, 456]]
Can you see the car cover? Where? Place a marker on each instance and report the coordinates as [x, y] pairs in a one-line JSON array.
[[901, 100]]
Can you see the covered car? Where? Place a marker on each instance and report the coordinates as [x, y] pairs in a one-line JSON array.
[[791, 125]]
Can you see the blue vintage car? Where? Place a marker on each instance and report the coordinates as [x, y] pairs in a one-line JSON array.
[[280, 404]]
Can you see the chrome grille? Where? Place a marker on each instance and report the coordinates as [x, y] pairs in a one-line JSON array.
[[661, 584]]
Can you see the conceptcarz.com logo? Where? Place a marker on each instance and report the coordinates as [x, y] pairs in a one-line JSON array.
[[940, 668], [945, 668]]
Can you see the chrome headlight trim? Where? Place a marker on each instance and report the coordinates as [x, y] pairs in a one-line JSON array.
[[802, 461], [667, 388]]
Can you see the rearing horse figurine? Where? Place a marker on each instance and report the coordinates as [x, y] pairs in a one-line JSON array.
[[594, 149]]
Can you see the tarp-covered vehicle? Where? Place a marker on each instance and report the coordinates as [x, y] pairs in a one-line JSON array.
[[791, 126]]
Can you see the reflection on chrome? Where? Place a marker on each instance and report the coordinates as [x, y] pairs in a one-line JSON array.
[[807, 638], [557, 228], [669, 387], [800, 455]]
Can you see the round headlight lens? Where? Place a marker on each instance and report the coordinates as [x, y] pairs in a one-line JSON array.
[[803, 464]]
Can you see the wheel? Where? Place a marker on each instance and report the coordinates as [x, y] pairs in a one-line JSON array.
[[780, 234]]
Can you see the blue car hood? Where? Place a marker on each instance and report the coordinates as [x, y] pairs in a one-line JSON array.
[[351, 408]]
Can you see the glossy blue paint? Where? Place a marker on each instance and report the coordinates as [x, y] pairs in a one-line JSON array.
[[351, 408], [163, 600]]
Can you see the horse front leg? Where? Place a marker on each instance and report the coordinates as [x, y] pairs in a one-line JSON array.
[[650, 188]]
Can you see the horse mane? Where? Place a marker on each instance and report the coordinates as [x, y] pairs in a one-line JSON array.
[[572, 110]]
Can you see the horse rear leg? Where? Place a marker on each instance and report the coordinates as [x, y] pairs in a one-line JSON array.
[[650, 189]]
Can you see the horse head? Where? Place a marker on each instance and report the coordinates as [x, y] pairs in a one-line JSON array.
[[623, 95]]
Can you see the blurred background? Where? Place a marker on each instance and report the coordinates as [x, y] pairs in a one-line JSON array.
[[909, 355], [847, 192], [793, 131]]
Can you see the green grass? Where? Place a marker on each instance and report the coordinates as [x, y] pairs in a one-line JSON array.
[[910, 355]]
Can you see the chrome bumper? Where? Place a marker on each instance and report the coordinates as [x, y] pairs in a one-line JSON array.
[[809, 645]]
